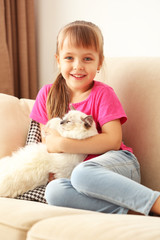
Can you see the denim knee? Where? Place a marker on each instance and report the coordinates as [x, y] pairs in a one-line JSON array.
[[82, 174], [55, 193]]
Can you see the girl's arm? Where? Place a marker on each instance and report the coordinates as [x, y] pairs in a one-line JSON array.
[[109, 139]]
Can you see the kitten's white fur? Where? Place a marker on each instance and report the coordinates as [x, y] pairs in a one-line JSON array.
[[29, 167]]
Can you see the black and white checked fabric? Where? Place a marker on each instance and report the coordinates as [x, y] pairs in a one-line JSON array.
[[34, 133], [37, 194]]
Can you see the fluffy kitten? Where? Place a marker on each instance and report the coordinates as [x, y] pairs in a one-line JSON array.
[[29, 166]]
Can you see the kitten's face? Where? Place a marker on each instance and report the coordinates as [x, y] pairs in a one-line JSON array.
[[75, 124], [76, 120]]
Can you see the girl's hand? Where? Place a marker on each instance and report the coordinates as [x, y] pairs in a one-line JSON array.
[[52, 140]]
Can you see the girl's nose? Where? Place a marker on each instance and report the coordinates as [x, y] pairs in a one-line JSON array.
[[78, 66]]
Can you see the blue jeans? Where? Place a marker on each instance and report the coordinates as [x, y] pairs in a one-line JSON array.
[[109, 183]]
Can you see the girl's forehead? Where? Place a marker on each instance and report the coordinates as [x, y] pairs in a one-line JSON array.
[[69, 46]]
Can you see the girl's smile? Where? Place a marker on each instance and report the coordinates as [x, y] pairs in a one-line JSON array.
[[78, 76]]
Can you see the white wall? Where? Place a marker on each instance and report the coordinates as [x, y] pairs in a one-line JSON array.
[[129, 27]]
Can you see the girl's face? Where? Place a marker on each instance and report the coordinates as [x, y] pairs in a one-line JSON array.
[[78, 65]]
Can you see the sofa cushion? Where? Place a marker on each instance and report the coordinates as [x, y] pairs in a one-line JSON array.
[[99, 226], [18, 216], [13, 133]]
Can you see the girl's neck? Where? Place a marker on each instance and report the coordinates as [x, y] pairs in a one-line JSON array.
[[79, 96]]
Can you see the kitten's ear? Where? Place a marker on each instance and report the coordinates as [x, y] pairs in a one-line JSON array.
[[72, 107], [88, 121]]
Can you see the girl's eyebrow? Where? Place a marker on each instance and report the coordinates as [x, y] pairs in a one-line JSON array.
[[68, 53], [87, 53]]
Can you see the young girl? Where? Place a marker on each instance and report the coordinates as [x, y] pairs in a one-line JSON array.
[[109, 179]]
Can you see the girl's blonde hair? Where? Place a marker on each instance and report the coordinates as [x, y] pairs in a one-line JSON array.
[[80, 33]]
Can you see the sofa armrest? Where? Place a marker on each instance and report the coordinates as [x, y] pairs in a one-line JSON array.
[[14, 123]]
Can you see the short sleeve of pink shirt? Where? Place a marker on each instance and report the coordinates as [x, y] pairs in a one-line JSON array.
[[103, 104]]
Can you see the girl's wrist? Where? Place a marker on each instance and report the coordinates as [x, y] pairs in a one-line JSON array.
[[53, 143], [63, 144]]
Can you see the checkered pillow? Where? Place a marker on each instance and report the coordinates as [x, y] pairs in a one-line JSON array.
[[34, 136], [36, 195]]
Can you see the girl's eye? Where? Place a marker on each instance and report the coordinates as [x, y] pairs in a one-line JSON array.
[[68, 58], [88, 59]]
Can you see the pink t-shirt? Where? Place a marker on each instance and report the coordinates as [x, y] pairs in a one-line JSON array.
[[102, 103]]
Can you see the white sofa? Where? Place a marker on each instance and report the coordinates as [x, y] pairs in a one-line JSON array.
[[137, 83]]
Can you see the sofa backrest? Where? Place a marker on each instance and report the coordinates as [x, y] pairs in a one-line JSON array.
[[14, 123], [137, 84]]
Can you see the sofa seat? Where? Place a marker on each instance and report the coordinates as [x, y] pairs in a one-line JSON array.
[[98, 226], [18, 216], [21, 220]]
